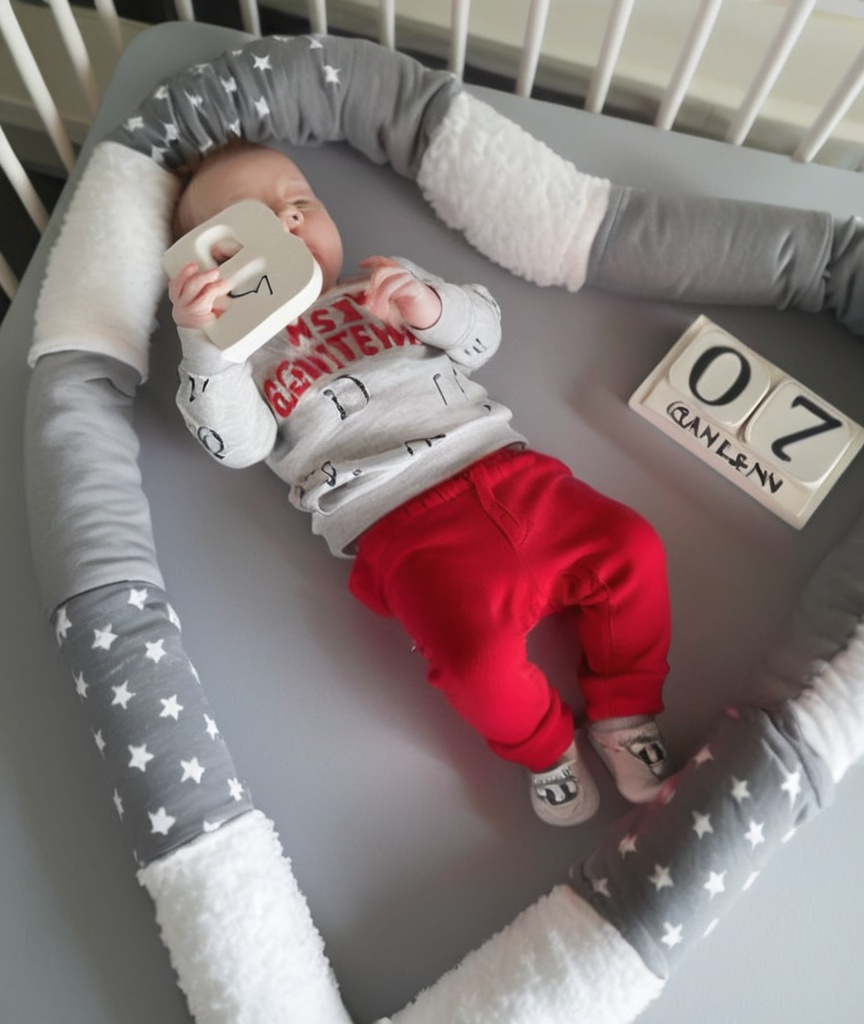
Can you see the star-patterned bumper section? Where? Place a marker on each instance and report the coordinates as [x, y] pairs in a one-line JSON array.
[[170, 771], [296, 90], [668, 871]]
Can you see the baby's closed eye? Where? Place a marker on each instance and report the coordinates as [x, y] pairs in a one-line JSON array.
[[224, 250]]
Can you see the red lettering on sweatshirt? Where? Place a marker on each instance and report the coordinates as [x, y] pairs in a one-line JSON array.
[[326, 340]]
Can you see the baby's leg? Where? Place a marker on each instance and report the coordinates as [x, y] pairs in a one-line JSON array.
[[454, 575], [612, 574]]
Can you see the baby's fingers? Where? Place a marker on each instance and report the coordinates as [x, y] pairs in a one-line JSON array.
[[384, 287]]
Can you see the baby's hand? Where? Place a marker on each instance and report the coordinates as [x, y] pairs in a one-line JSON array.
[[197, 296], [394, 294]]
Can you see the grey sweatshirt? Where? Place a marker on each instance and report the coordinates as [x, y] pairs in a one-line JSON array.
[[354, 414]]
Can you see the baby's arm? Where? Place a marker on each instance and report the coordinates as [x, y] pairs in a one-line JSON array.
[[464, 320], [219, 400]]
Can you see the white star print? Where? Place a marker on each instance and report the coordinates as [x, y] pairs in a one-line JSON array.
[[662, 878], [236, 789], [212, 731], [315, 44], [627, 845], [99, 741], [155, 650], [160, 822], [132, 124], [137, 598], [103, 638], [792, 785], [701, 823], [161, 93], [118, 803], [672, 934], [229, 84], [212, 826], [754, 834], [703, 755], [331, 75], [262, 63], [61, 627], [195, 99], [171, 708], [172, 133], [81, 687], [141, 756], [234, 128], [750, 881], [192, 770], [740, 790], [173, 617], [600, 886], [716, 883], [261, 107], [122, 695], [157, 154]]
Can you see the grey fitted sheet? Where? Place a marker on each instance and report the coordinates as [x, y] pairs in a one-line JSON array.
[[411, 842]]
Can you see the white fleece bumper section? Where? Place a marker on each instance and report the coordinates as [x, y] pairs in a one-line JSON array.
[[239, 930], [559, 962], [830, 710], [104, 276], [520, 203]]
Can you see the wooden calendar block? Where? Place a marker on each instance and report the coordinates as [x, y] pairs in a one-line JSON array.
[[743, 416]]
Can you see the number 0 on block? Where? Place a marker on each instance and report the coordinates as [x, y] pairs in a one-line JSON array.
[[764, 431]]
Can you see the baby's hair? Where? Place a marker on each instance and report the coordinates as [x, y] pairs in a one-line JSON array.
[[179, 225]]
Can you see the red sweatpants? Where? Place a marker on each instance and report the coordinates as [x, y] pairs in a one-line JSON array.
[[470, 566]]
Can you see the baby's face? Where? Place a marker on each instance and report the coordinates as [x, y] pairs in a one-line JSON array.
[[275, 180]]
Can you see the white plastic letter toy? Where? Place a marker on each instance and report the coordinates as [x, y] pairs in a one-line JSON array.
[[273, 276], [764, 431]]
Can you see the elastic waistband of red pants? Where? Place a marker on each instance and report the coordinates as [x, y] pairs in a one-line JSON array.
[[488, 469]]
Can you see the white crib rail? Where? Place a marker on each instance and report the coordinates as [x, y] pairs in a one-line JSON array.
[[387, 26]]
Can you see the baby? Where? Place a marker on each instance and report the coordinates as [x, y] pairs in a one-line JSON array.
[[366, 407]]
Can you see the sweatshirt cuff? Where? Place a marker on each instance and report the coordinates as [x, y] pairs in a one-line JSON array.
[[200, 356], [456, 319]]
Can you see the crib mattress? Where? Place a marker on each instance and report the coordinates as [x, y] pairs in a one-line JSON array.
[[410, 841]]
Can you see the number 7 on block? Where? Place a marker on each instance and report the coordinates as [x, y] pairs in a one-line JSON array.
[[776, 439]]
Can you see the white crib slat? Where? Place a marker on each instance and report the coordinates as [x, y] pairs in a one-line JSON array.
[[35, 84], [317, 16], [251, 17], [538, 14], [459, 11], [8, 280], [775, 58], [387, 23], [74, 43], [694, 47], [619, 17], [108, 16], [19, 180], [185, 10], [843, 97]]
